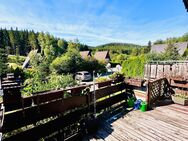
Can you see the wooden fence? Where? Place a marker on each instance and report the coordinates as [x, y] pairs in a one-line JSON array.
[[168, 69], [64, 112], [175, 71]]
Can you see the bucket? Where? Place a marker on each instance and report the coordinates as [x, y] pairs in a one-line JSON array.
[[130, 102], [137, 104], [143, 106]]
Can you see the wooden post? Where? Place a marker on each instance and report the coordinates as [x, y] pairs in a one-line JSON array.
[[156, 71], [148, 93]]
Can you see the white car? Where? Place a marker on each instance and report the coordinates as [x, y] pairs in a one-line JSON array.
[[83, 76]]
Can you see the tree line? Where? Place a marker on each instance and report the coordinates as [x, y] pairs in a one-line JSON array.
[[183, 38], [120, 48], [21, 42]]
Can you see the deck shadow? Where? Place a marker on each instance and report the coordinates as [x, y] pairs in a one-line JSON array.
[[160, 103], [105, 120]]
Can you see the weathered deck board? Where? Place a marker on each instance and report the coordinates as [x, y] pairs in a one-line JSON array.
[[165, 123]]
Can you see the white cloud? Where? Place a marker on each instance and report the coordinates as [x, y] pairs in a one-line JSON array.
[[92, 28]]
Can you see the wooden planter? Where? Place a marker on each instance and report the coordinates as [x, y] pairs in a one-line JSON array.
[[118, 80], [104, 84], [135, 82], [179, 100]]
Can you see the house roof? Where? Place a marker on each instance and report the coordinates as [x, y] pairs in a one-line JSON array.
[[160, 48], [102, 55], [27, 60], [85, 54]]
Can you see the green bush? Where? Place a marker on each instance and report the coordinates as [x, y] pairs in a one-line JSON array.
[[54, 81], [101, 79], [13, 65], [19, 60], [134, 66], [116, 75]]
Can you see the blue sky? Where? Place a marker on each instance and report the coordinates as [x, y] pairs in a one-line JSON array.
[[96, 22]]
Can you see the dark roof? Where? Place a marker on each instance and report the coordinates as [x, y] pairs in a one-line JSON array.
[[85, 54], [102, 55], [186, 4], [160, 48]]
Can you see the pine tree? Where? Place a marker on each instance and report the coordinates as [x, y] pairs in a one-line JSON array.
[[6, 39], [171, 52], [3, 61], [12, 40], [1, 37], [149, 45], [33, 40]]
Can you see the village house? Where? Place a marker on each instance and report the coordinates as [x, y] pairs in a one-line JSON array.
[[102, 56], [85, 54], [160, 48]]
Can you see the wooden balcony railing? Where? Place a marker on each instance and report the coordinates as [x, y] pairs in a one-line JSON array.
[[57, 112]]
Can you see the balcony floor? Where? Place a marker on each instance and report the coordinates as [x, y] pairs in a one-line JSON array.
[[165, 123]]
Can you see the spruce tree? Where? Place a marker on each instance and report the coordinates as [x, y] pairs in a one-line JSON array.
[[149, 45], [3, 60], [171, 52]]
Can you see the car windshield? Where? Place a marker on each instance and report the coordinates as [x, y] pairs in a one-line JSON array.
[[86, 73]]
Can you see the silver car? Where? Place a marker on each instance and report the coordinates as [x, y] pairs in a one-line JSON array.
[[83, 76]]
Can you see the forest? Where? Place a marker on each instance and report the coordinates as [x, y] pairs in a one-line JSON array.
[[57, 60], [21, 42]]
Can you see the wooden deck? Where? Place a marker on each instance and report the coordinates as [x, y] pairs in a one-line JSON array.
[[165, 123]]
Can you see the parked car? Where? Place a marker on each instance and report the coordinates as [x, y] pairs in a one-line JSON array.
[[83, 76]]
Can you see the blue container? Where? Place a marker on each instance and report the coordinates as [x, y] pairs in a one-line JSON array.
[[137, 104]]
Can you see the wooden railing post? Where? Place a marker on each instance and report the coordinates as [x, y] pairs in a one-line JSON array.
[[160, 83], [148, 93]]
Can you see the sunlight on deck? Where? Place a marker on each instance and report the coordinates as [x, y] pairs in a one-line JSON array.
[[163, 123]]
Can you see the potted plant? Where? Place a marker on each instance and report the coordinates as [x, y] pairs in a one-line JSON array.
[[180, 99], [117, 77]]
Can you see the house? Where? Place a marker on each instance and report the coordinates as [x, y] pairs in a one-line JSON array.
[[102, 56], [85, 54], [160, 48], [28, 58]]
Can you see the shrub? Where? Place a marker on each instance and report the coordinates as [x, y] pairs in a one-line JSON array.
[[19, 60], [116, 75], [54, 81], [13, 65], [134, 66], [101, 79]]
